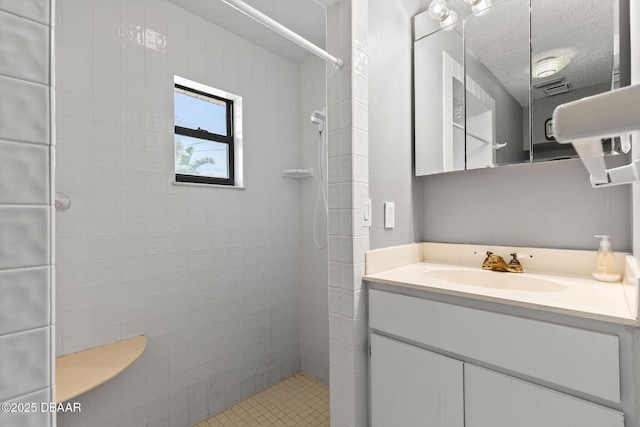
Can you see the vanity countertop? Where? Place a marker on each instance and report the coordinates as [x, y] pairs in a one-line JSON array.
[[576, 295]]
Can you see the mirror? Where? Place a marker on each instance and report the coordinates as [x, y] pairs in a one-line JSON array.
[[486, 86], [497, 62]]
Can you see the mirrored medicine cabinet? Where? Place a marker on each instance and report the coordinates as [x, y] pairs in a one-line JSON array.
[[486, 86]]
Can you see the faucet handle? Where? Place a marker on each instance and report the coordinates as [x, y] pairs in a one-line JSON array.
[[487, 264], [514, 265]]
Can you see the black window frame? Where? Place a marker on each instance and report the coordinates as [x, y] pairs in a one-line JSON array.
[[203, 134]]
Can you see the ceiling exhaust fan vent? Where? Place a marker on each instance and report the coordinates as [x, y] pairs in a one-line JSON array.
[[549, 82], [557, 89]]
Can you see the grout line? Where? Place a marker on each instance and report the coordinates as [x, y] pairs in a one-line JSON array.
[[26, 18], [22, 79]]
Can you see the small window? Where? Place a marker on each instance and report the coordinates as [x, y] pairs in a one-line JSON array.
[[203, 139]]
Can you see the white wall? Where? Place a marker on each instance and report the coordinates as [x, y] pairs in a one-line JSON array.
[[26, 315], [210, 275], [547, 204], [391, 122], [314, 298]]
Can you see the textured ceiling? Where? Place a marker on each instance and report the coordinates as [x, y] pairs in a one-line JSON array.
[[579, 29], [305, 17]]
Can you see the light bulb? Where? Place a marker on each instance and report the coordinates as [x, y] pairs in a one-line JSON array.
[[438, 10], [481, 7], [448, 23]]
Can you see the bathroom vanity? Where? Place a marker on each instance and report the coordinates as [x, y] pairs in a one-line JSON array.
[[461, 352]]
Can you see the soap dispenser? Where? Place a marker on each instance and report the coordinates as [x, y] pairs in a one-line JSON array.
[[606, 268]]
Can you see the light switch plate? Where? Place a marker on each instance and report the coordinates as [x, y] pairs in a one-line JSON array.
[[366, 213], [389, 214]]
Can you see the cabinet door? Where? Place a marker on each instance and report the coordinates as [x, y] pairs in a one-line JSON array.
[[412, 387], [497, 400]]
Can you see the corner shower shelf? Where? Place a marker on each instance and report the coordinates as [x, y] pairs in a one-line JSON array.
[[297, 173], [85, 370]]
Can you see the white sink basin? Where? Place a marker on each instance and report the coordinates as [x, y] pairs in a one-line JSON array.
[[496, 280]]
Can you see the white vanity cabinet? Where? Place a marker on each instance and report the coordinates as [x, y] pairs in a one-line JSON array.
[[497, 400], [413, 387], [486, 369]]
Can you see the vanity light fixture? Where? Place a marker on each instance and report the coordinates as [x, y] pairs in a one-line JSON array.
[[479, 7], [549, 66], [439, 10]]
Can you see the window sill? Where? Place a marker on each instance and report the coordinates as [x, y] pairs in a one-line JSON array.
[[196, 184]]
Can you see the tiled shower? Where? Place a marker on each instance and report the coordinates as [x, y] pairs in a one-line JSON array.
[[224, 282]]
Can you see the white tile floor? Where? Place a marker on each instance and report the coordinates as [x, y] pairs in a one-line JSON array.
[[298, 401]]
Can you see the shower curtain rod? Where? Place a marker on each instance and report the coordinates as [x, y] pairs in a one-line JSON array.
[[283, 31]]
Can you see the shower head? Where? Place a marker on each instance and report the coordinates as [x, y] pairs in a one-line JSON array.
[[318, 118]]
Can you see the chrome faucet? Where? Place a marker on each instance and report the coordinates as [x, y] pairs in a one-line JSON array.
[[497, 263]]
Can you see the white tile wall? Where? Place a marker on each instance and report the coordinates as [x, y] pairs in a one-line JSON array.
[[24, 109], [210, 275], [26, 168], [26, 318], [24, 241], [24, 299], [37, 418], [25, 362], [349, 186], [23, 44]]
